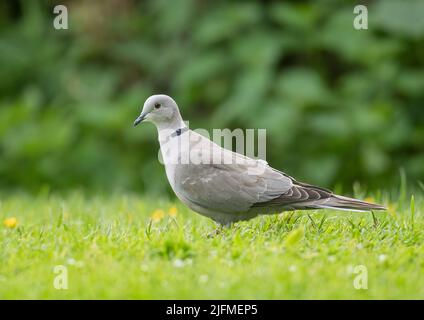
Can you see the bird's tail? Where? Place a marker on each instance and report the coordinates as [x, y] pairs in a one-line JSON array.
[[350, 204]]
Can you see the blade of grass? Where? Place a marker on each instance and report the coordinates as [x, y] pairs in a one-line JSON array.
[[402, 187], [412, 206]]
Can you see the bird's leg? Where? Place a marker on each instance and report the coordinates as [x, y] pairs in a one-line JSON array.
[[216, 231], [219, 228]]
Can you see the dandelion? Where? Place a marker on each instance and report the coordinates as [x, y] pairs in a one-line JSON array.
[[157, 215], [11, 222], [370, 199], [172, 212]]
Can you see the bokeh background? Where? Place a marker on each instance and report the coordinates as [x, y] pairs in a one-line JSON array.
[[340, 105]]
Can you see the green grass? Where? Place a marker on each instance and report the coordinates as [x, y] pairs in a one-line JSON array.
[[111, 250]]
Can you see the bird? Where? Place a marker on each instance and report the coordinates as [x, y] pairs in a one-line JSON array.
[[226, 186]]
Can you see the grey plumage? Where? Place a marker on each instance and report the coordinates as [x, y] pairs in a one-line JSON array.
[[235, 190]]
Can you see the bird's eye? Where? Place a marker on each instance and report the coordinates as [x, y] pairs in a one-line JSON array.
[[157, 105]]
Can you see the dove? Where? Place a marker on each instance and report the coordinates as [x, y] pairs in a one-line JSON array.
[[227, 186]]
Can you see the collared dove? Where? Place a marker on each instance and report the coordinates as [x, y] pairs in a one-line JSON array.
[[203, 178]]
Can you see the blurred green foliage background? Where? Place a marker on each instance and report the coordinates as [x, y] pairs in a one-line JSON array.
[[339, 105]]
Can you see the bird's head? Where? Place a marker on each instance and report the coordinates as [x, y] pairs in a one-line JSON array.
[[159, 109]]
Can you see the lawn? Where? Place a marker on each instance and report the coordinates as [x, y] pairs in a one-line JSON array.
[[127, 246]]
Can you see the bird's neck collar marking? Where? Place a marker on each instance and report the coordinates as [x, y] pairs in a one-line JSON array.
[[179, 132]]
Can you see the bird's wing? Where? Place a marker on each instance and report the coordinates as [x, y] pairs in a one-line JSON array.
[[228, 182], [300, 196]]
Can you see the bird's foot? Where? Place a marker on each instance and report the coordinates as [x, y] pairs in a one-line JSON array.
[[218, 230], [214, 233]]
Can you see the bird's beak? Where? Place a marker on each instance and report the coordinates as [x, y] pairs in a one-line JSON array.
[[139, 119]]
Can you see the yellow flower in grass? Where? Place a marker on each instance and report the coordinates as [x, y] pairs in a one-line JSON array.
[[172, 212], [11, 222], [157, 215], [369, 199]]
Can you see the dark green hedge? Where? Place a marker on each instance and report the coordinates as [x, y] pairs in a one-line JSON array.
[[339, 105]]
